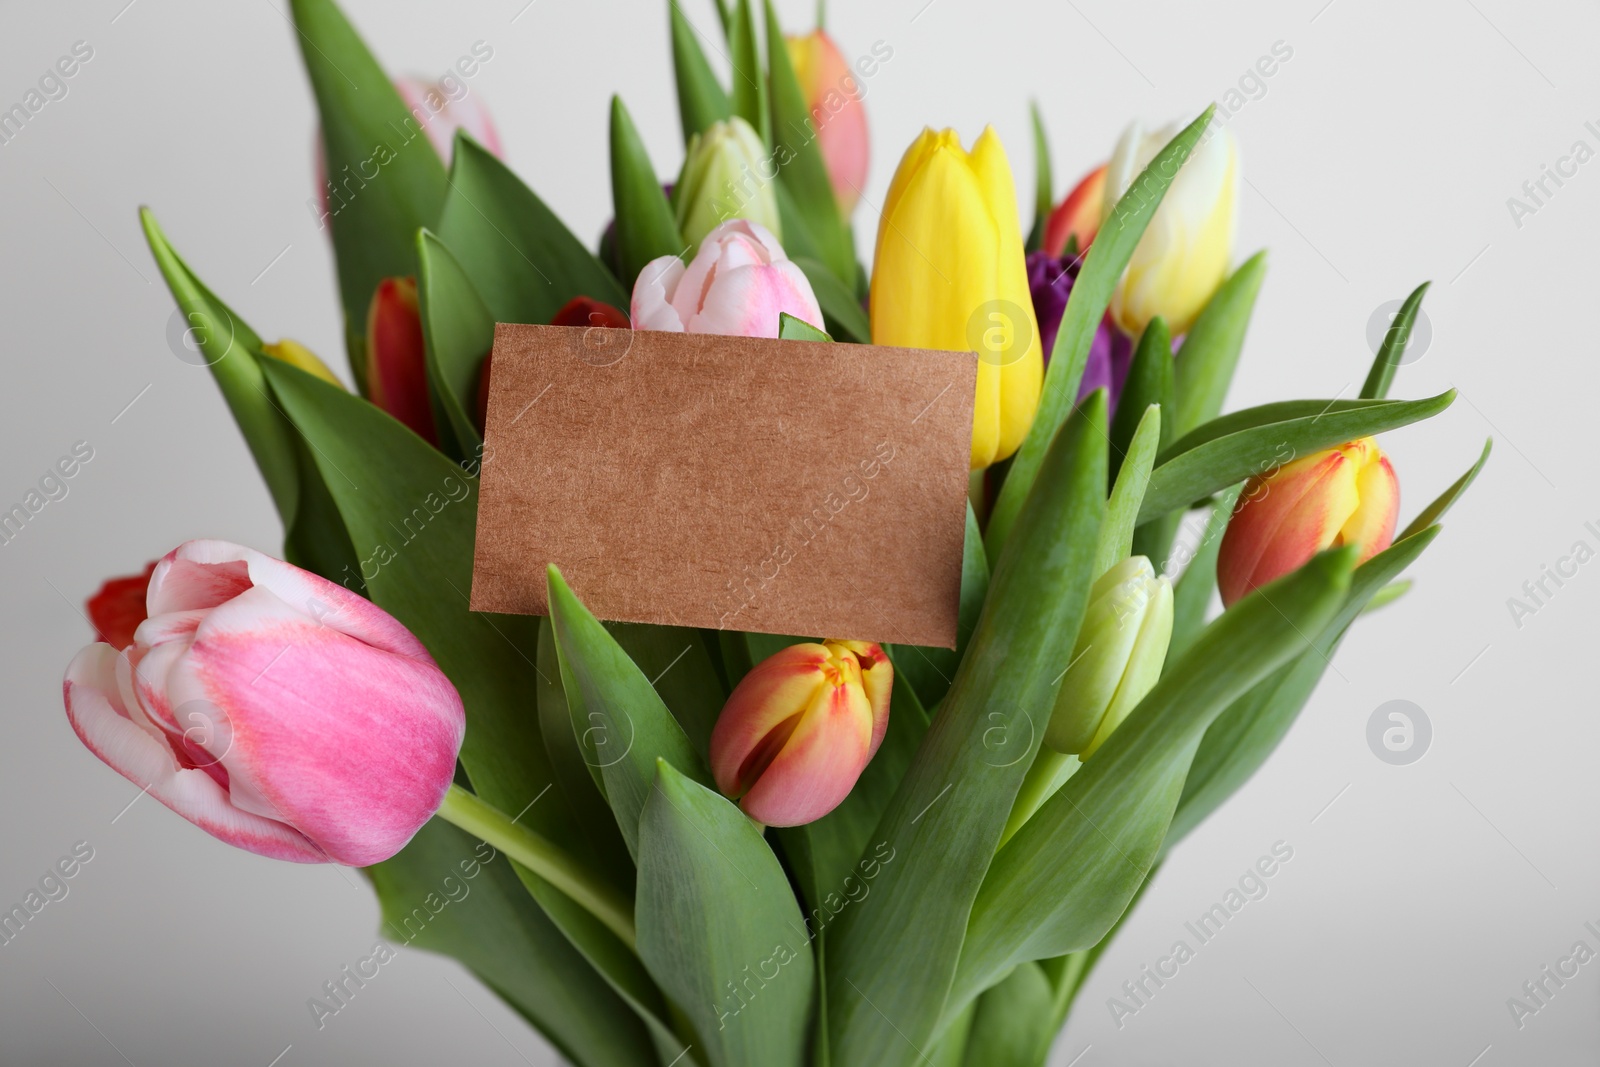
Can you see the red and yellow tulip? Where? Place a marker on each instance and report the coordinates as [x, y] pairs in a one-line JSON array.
[[1343, 496]]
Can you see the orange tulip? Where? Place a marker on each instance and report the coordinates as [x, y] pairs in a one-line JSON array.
[[834, 96], [1078, 215], [1343, 496], [800, 728]]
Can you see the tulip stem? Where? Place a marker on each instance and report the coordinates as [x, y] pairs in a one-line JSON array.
[[541, 856], [1048, 772]]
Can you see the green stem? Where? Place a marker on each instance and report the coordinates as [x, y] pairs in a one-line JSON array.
[[541, 856], [1049, 770]]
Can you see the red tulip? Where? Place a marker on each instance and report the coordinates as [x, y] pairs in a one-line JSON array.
[[1346, 495], [1078, 215], [397, 372], [272, 708], [118, 608], [800, 728]]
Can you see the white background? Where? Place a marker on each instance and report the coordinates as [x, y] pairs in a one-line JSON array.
[[1381, 154]]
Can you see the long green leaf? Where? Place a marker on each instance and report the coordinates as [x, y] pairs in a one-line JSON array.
[[1393, 348], [645, 226], [1127, 492], [1062, 881], [1210, 352], [522, 260], [1435, 511], [1244, 735], [748, 97], [893, 955], [447, 893], [1210, 458], [719, 928], [620, 719], [386, 179], [701, 98], [681, 670], [228, 345], [801, 168], [1012, 1026], [457, 334], [931, 669], [1149, 382], [1106, 259]]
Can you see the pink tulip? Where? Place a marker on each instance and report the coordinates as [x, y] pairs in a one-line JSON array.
[[1342, 496], [272, 708], [738, 284], [800, 728], [834, 97]]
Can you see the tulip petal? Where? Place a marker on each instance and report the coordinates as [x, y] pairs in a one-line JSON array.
[[775, 690], [1289, 516], [1372, 525], [96, 713], [819, 764], [651, 307]]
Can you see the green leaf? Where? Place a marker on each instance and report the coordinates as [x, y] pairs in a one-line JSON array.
[[387, 181], [622, 722], [681, 670], [823, 854], [701, 98], [1043, 197], [749, 95], [645, 226], [1256, 440], [1210, 351], [1122, 512], [489, 923], [802, 169], [1149, 382], [457, 332], [229, 347], [1012, 1026], [412, 515], [521, 259], [842, 312], [931, 669], [1435, 511], [719, 928], [1395, 340], [893, 954], [1060, 884], [1386, 596], [793, 329], [1191, 596], [1104, 263], [1244, 735]]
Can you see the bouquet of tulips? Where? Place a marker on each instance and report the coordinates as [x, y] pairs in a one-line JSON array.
[[723, 848]]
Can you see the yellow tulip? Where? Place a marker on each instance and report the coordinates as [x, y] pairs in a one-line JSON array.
[[950, 273], [1187, 248], [298, 355]]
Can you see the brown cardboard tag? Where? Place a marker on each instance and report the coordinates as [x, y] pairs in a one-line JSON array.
[[790, 487]]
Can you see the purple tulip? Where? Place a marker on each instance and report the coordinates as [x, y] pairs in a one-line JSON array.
[[1050, 280]]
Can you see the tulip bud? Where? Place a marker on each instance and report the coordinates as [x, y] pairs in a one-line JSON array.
[[738, 284], [724, 177], [950, 274], [272, 708], [298, 355], [397, 371], [834, 98], [1344, 496], [118, 608], [1078, 216], [799, 729], [1120, 650], [1187, 248]]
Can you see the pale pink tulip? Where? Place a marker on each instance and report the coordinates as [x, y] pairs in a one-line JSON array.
[[272, 708], [738, 284]]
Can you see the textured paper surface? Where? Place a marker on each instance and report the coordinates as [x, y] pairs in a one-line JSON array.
[[789, 487]]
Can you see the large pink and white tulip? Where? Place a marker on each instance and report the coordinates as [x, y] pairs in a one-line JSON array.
[[738, 284], [272, 708], [799, 729]]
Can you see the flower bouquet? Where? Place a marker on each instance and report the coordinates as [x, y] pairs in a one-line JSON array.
[[731, 848]]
